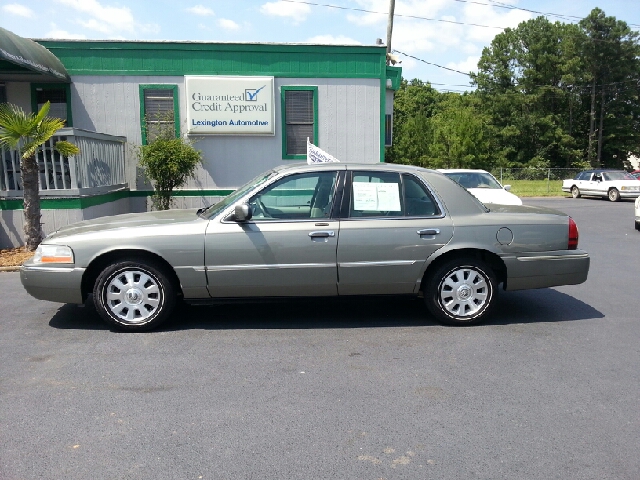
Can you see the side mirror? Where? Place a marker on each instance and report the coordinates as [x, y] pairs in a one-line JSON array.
[[243, 212], [507, 187]]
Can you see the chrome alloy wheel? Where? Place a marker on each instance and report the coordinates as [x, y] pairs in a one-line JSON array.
[[463, 292], [133, 296]]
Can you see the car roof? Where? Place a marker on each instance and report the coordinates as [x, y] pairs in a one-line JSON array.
[[302, 167], [460, 170]]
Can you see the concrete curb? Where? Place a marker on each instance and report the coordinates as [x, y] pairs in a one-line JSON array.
[[9, 269]]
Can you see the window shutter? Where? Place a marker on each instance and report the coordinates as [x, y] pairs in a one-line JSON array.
[[158, 110], [158, 104], [299, 116]]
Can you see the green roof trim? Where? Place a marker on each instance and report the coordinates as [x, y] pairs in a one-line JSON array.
[[79, 203], [395, 75], [185, 193], [85, 57]]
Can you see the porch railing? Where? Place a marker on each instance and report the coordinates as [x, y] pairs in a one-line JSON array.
[[99, 166]]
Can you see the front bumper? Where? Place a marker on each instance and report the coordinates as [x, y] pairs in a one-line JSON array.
[[55, 284], [629, 194]]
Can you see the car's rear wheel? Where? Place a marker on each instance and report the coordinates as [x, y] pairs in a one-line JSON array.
[[614, 195], [575, 192], [638, 226], [461, 292], [134, 296]]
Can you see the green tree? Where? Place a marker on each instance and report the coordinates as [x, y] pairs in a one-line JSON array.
[[462, 135], [525, 79], [564, 95], [168, 161], [28, 132], [611, 54], [414, 103]]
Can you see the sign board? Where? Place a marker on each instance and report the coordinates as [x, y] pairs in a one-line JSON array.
[[226, 105], [376, 196]]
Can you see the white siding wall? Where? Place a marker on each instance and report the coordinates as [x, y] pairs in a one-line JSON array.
[[19, 93], [12, 221], [349, 125]]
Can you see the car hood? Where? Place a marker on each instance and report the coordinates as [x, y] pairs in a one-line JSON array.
[[126, 221], [495, 195]]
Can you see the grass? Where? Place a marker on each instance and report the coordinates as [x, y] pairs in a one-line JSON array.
[[536, 188]]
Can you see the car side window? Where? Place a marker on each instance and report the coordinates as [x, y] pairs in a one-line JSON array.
[[418, 201], [376, 194], [295, 197], [384, 194]]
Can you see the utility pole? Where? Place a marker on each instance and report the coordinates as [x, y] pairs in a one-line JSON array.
[[392, 6]]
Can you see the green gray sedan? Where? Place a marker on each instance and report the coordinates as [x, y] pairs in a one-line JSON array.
[[333, 229]]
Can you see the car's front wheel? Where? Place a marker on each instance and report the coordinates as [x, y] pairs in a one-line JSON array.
[[461, 292], [575, 192], [614, 195], [134, 296]]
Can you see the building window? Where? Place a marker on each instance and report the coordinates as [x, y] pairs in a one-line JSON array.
[[159, 112], [3, 93], [388, 130], [59, 97], [299, 120]]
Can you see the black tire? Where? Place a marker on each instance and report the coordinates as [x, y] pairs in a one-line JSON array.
[[575, 192], [614, 195], [638, 226], [134, 296], [461, 292]]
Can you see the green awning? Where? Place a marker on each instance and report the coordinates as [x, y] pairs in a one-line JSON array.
[[29, 55]]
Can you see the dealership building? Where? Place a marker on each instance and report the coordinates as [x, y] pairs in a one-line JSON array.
[[248, 107]]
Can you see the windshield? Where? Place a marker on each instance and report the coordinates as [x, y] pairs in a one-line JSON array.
[[474, 179], [617, 176], [213, 210]]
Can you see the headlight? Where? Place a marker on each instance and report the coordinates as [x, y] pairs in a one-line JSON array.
[[53, 254]]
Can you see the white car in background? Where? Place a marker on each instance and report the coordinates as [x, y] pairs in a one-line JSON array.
[[611, 184], [482, 185], [638, 213]]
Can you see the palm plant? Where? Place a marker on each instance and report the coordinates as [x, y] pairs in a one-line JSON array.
[[28, 132]]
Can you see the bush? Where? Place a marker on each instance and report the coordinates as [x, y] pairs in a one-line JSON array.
[[169, 163]]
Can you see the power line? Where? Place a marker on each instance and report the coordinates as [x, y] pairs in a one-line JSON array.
[[417, 17], [513, 7], [431, 63]]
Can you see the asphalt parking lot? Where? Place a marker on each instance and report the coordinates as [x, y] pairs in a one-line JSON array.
[[337, 389]]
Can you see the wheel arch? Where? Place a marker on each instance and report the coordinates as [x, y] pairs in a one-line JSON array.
[[99, 263], [496, 264]]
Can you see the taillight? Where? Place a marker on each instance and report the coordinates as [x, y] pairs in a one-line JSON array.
[[573, 235]]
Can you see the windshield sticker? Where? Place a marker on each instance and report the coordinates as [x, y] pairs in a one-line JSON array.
[[376, 196]]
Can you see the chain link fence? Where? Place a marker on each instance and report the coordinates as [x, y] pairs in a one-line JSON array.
[[532, 182]]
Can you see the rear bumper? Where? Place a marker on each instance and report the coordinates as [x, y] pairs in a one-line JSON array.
[[547, 269], [55, 284]]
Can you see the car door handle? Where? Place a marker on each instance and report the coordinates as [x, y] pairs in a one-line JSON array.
[[429, 231], [322, 234]]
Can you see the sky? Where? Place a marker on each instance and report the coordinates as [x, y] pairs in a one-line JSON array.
[[437, 41]]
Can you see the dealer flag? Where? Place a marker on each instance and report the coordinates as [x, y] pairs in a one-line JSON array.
[[317, 155]]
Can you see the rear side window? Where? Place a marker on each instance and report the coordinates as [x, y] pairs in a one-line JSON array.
[[418, 200], [386, 194]]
